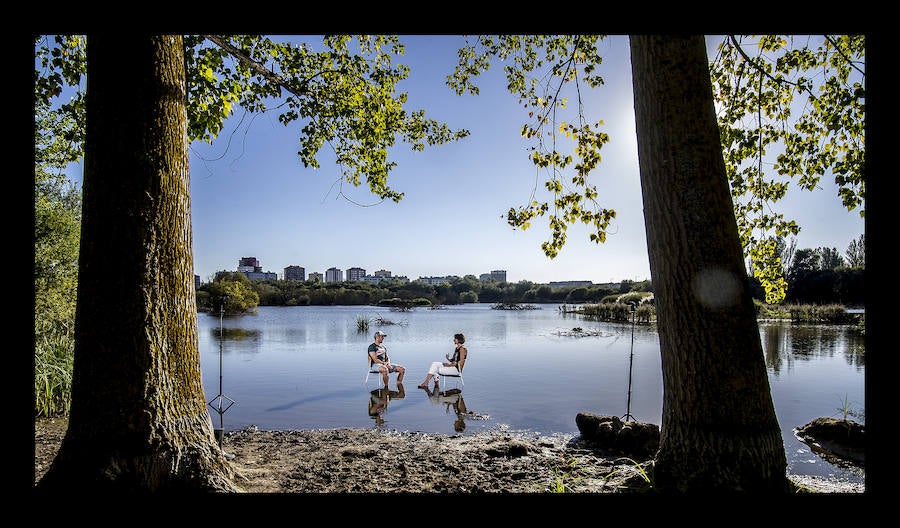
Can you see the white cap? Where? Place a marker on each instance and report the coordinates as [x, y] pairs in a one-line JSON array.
[[380, 333]]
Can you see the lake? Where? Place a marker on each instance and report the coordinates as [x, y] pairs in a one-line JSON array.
[[304, 367]]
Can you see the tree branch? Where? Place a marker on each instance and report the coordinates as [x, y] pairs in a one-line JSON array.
[[846, 58], [760, 70], [256, 66]]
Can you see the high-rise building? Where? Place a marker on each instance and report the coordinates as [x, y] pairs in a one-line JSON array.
[[250, 267], [249, 264], [315, 276], [355, 274], [498, 275], [295, 273], [334, 275]]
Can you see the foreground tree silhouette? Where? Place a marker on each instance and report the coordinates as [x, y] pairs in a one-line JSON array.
[[138, 419], [719, 431]]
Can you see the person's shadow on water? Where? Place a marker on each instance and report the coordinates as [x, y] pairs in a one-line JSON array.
[[379, 400]]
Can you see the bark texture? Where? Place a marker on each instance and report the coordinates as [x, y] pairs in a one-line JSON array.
[[139, 419], [719, 430]]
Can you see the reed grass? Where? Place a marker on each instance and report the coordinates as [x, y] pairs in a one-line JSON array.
[[621, 312], [54, 354]]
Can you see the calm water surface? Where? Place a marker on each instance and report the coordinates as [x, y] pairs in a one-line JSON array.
[[304, 367]]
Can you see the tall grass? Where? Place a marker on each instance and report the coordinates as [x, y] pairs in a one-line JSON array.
[[617, 312], [814, 313], [362, 323], [54, 354], [808, 313]]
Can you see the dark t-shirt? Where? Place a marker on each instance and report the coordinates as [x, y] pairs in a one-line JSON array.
[[380, 351]]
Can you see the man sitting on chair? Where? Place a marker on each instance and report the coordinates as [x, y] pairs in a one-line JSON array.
[[378, 354]]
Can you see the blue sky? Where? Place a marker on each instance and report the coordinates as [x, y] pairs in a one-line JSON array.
[[251, 196]]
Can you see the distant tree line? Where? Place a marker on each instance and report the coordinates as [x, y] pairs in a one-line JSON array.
[[821, 275], [241, 293]]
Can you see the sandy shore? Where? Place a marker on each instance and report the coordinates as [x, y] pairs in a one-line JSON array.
[[387, 461]]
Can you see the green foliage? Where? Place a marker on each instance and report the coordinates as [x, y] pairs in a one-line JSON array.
[[58, 137], [846, 409], [576, 295], [807, 313], [856, 253], [341, 92], [611, 298], [468, 297], [60, 64], [829, 258], [642, 286], [552, 62], [806, 260], [565, 474], [789, 112], [607, 311], [791, 109], [645, 313], [394, 301], [238, 296], [634, 297], [644, 483], [769, 311], [362, 323], [53, 360], [819, 314]]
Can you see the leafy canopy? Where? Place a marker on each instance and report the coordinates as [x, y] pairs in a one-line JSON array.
[[541, 67], [341, 93], [792, 110], [58, 139]]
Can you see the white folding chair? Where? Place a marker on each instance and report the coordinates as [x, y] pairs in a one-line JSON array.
[[456, 376], [372, 369]]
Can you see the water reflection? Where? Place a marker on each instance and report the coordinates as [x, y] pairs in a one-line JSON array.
[[235, 334], [775, 342], [452, 400], [812, 340], [244, 340], [379, 399], [783, 343]]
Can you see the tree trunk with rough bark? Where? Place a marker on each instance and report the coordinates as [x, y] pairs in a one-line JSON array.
[[719, 430], [139, 419]]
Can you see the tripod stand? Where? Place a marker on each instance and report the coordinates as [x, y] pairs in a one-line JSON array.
[[221, 399], [627, 416]]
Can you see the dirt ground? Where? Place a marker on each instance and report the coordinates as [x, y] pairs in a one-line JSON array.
[[379, 461]]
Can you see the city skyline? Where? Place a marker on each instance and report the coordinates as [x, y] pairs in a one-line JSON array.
[[244, 265]]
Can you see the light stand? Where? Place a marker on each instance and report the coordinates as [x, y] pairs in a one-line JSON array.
[[221, 398], [628, 415]]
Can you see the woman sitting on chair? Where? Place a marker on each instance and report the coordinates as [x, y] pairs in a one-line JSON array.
[[454, 363]]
